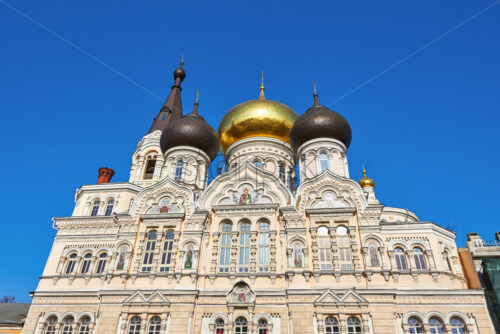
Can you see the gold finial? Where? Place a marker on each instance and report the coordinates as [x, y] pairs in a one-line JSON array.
[[197, 95], [262, 88], [366, 181]]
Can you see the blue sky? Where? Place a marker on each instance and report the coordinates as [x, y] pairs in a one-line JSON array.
[[427, 130]]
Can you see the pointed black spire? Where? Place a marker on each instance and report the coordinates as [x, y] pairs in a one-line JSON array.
[[316, 101], [196, 104], [172, 108]]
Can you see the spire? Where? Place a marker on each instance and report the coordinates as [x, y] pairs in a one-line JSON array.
[[316, 101], [172, 108], [196, 104], [262, 88]]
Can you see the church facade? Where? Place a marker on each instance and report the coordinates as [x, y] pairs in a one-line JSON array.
[[253, 251]]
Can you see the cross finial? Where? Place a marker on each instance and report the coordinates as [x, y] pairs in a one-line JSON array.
[[197, 95], [182, 60], [262, 97], [364, 171], [315, 95]]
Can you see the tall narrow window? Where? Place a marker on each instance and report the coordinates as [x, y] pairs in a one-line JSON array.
[[84, 326], [101, 264], [298, 255], [50, 326], [325, 251], [225, 248], [418, 255], [457, 326], [154, 325], [71, 264], [87, 259], [95, 208], [189, 257], [262, 326], [164, 116], [257, 163], [178, 170], [323, 162], [68, 326], [447, 261], [353, 326], [147, 262], [150, 168], [263, 246], [435, 326], [344, 248], [241, 326], [373, 254], [109, 207], [399, 256], [244, 259], [282, 172], [219, 326], [135, 325], [415, 326], [332, 326], [166, 255]]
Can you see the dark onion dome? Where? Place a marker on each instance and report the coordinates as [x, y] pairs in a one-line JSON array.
[[191, 130], [319, 121]]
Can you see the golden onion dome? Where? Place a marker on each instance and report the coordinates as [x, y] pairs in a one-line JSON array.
[[366, 181], [256, 118]]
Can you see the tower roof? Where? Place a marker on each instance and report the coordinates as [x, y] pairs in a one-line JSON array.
[[172, 108]]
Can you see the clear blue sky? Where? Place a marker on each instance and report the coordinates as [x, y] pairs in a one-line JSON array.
[[427, 129]]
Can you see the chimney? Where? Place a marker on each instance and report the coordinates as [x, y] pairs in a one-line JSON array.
[[105, 175]]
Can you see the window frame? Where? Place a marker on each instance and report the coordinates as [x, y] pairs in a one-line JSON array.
[[225, 247], [134, 327], [110, 206], [332, 325], [166, 256], [244, 247], [419, 259], [264, 245], [149, 251], [324, 249], [400, 258], [71, 264], [101, 263], [95, 208], [179, 170]]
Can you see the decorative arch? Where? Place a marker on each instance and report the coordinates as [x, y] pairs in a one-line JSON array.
[[415, 314], [218, 316], [457, 314], [188, 242], [419, 243], [68, 314], [259, 316], [393, 244], [51, 314], [83, 315], [374, 237], [69, 251], [296, 238], [435, 314], [123, 243]]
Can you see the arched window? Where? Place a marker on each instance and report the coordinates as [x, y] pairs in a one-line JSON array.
[[225, 248], [110, 204], [399, 256], [244, 247], [178, 170], [189, 257], [166, 255], [150, 168], [282, 171], [241, 326], [219, 326], [415, 326], [418, 255], [353, 326], [435, 326], [323, 162], [298, 255], [344, 248], [257, 163], [147, 262], [95, 208], [50, 326], [164, 117], [457, 326], [154, 325], [101, 263], [262, 326], [373, 254], [263, 246], [447, 261], [68, 326], [87, 259], [84, 326], [331, 326], [71, 264], [135, 325], [325, 251], [121, 259]]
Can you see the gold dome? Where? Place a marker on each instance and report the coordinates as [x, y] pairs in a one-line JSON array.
[[366, 181], [256, 118]]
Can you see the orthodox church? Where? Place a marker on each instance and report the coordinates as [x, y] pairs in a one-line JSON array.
[[255, 250]]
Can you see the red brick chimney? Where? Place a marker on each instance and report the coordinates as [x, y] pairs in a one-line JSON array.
[[105, 175]]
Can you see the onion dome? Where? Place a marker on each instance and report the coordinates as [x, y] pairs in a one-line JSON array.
[[191, 130], [256, 118], [366, 181], [319, 121]]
